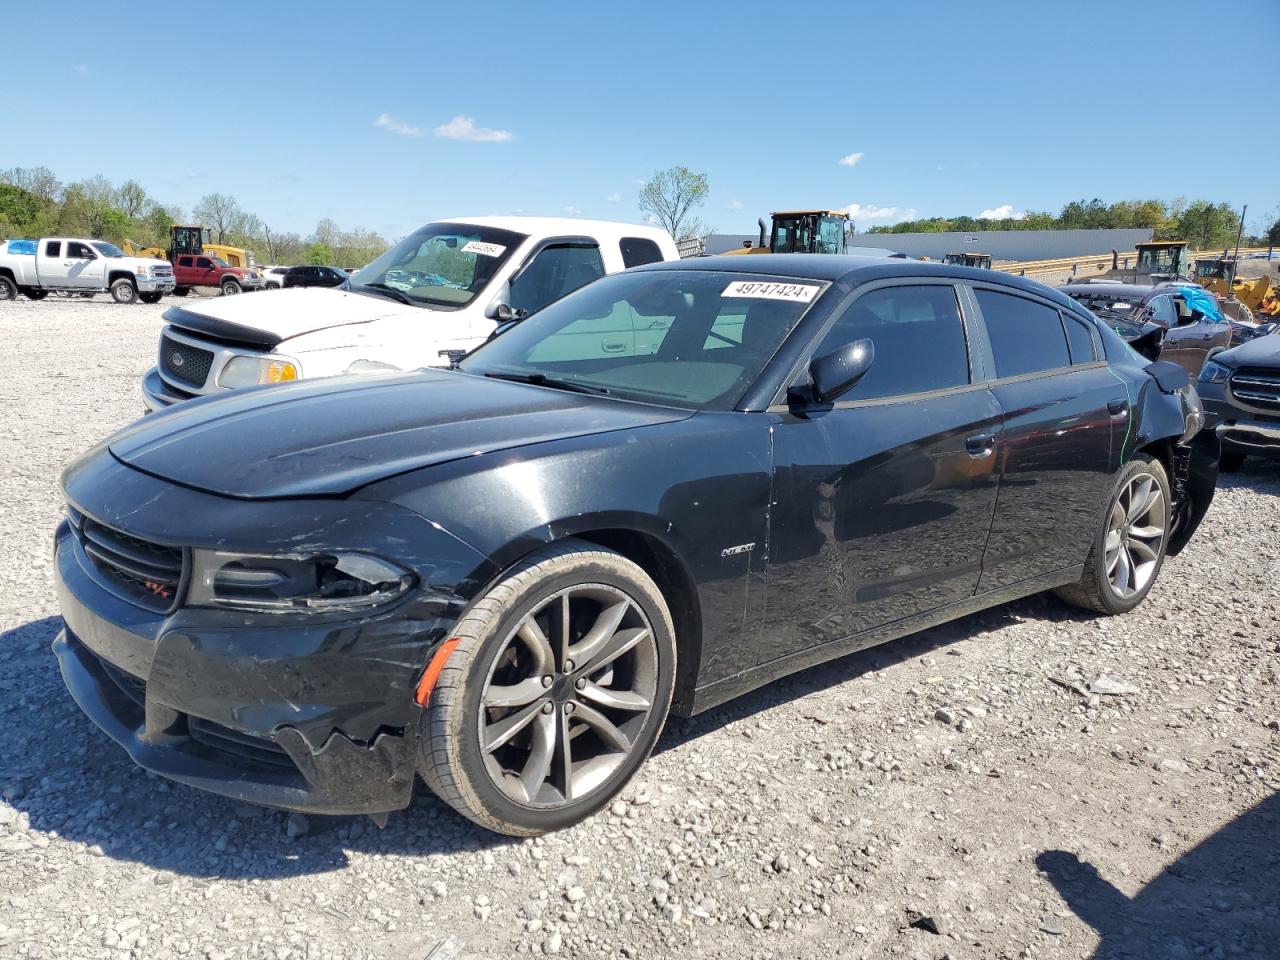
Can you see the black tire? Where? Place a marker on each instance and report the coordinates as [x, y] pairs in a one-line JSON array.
[[1230, 461], [32, 293], [229, 288], [123, 291], [271, 286], [8, 289], [150, 297], [452, 760], [181, 291], [1095, 590]]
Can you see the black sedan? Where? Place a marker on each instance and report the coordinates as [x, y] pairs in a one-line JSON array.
[[314, 277], [1241, 390], [662, 491]]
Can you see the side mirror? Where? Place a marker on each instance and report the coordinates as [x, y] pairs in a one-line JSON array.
[[504, 313], [835, 374]]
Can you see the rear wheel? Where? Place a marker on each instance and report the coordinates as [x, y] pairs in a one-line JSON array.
[[123, 291], [1230, 461], [150, 297], [1130, 547], [8, 289], [181, 291], [230, 288], [555, 693]]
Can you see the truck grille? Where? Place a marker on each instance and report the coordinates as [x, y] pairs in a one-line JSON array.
[[183, 362], [148, 574], [1257, 388], [165, 271]]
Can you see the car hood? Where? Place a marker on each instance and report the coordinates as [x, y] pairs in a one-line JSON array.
[[328, 437], [1261, 351], [270, 317]]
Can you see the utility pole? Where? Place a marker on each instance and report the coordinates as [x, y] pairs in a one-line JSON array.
[[1235, 261]]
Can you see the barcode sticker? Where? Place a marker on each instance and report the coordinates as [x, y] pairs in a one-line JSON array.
[[761, 290], [484, 249]]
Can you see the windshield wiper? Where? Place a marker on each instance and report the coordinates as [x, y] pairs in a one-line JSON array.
[[384, 290], [542, 380]]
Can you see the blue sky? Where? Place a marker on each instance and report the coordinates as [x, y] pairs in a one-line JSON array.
[[555, 108]]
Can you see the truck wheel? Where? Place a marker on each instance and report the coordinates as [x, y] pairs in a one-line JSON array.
[[230, 288], [150, 297], [34, 294], [181, 291], [123, 291], [8, 289]]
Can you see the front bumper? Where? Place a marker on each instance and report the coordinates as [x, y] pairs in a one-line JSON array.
[[155, 284], [285, 711], [1239, 430], [157, 394]]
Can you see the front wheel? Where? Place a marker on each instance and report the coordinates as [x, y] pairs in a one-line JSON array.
[[35, 294], [181, 291], [1130, 547], [150, 297], [230, 288], [123, 291], [8, 289], [554, 694]]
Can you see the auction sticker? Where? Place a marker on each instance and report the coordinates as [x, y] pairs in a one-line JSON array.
[[761, 290], [484, 249]]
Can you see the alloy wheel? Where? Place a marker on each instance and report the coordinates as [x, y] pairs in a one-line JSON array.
[[568, 695], [1136, 530]]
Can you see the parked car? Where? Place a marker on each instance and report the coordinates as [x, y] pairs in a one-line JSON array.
[[310, 276], [1241, 391], [661, 491], [273, 277], [206, 270], [440, 292], [1156, 320], [74, 266]]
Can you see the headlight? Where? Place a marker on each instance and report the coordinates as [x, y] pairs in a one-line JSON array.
[[1214, 372], [324, 582], [251, 371]]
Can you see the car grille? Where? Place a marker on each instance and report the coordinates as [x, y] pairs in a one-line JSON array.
[[185, 363], [244, 745], [162, 271], [148, 574], [1257, 388]]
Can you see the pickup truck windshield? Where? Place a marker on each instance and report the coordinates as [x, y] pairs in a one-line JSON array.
[[443, 264], [683, 338], [107, 249]]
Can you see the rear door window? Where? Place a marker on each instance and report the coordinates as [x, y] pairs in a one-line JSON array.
[[1026, 336], [638, 250], [53, 248], [1079, 340], [1162, 311]]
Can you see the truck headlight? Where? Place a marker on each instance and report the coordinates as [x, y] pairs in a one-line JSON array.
[[1214, 373], [251, 371], [336, 581]]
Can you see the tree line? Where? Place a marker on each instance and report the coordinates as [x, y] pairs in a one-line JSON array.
[[35, 203]]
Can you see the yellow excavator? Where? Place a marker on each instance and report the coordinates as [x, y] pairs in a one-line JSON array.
[[803, 231], [190, 239], [1218, 275]]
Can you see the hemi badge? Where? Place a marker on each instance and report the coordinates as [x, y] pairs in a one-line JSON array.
[[734, 551]]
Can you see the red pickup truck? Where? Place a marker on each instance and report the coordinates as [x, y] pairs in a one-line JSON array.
[[203, 270]]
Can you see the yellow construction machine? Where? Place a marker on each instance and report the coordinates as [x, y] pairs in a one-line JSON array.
[[190, 239], [1218, 275], [980, 260], [803, 231]]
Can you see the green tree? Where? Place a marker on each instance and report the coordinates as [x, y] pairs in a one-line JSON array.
[[318, 254], [1208, 225], [670, 196]]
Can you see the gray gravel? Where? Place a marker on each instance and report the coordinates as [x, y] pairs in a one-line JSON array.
[[967, 781]]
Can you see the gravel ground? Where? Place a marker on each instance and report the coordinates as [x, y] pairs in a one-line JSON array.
[[944, 796]]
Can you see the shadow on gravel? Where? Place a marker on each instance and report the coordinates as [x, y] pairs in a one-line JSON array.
[[1219, 899], [1259, 475]]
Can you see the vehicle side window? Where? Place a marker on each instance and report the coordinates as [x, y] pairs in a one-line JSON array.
[[1079, 341], [638, 250], [1162, 311], [78, 251], [204, 263], [184, 261], [1026, 337], [53, 248], [554, 272], [919, 340]]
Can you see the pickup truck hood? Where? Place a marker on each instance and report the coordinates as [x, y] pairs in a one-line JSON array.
[[1260, 352], [269, 318], [330, 436]]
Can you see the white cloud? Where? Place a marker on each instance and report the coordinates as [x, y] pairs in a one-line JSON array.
[[464, 128], [871, 213], [81, 68], [850, 160], [615, 198], [573, 211], [733, 205], [388, 122], [1003, 212]]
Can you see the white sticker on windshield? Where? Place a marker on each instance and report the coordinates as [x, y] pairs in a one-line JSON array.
[[484, 249], [760, 290]]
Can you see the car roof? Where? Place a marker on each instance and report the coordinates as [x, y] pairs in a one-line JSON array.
[[567, 226]]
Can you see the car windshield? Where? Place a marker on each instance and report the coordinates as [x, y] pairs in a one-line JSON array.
[[1102, 303], [443, 264], [685, 338], [220, 262], [107, 249]]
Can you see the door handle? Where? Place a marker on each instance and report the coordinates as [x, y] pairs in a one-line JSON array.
[[980, 446], [1118, 408]]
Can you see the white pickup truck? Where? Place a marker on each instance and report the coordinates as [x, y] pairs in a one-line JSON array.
[[35, 268], [438, 293]]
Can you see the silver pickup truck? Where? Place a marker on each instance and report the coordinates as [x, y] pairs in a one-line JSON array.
[[35, 268]]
